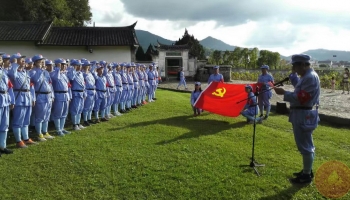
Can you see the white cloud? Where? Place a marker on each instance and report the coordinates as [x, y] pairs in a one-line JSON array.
[[287, 34]]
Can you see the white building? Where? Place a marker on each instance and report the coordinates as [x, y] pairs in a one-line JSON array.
[[171, 58], [112, 44]]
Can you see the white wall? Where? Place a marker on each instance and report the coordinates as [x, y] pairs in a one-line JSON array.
[[107, 53]]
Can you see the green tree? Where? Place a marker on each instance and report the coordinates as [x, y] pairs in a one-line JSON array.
[[61, 12], [235, 57], [245, 57], [216, 57], [225, 58], [140, 54], [196, 49], [253, 55]]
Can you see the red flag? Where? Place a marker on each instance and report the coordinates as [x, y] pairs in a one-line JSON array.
[[224, 99]]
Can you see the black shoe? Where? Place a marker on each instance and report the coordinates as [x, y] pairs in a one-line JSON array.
[[91, 122], [261, 115], [5, 151], [302, 179], [154, 98], [86, 123], [301, 172], [266, 117]]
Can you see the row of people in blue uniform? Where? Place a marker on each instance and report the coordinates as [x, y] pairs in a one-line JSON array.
[[52, 90]]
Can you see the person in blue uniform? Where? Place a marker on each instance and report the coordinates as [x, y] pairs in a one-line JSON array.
[[216, 76], [63, 95], [119, 89], [6, 63], [147, 86], [152, 83], [182, 79], [44, 98], [251, 107], [78, 94], [111, 89], [156, 75], [194, 96], [101, 95], [90, 90], [7, 101], [303, 114], [136, 86], [131, 86], [265, 95], [125, 83], [139, 71], [24, 100], [29, 64]]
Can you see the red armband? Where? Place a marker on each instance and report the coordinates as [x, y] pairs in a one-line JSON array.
[[9, 84], [69, 85], [303, 97], [31, 84]]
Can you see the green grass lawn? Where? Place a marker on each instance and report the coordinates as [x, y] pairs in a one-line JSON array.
[[161, 152]]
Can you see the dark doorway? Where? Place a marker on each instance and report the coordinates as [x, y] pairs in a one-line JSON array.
[[172, 66]]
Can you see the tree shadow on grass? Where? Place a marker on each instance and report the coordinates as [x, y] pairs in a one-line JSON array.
[[286, 194], [197, 126]]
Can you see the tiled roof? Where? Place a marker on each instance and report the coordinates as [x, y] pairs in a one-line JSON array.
[[171, 47], [23, 31], [91, 36]]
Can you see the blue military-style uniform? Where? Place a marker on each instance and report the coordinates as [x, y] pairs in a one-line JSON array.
[[90, 91], [125, 92], [215, 77], [265, 92], [63, 95], [194, 96], [119, 89], [44, 97], [78, 94], [147, 86], [131, 87], [101, 95], [303, 115], [182, 79], [111, 88], [152, 84], [24, 98], [6, 99], [136, 88], [251, 107], [141, 76]]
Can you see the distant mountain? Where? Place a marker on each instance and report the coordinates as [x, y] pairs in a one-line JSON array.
[[324, 54], [145, 38], [213, 43]]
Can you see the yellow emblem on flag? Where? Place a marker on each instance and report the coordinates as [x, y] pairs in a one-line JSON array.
[[220, 92]]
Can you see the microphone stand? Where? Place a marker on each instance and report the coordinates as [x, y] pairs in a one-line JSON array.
[[253, 163]]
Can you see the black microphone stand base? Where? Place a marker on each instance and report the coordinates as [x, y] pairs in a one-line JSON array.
[[254, 165]]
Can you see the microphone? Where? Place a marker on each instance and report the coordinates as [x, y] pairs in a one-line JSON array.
[[280, 83]]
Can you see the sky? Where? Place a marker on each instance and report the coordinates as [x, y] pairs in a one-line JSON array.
[[284, 26]]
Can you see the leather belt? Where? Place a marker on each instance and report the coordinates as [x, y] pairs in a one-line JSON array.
[[61, 91], [118, 85], [17, 90], [42, 92], [78, 90], [91, 89], [102, 90], [131, 84], [3, 92], [111, 86], [300, 108], [125, 83]]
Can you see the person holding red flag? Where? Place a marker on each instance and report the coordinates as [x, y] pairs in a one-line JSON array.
[[251, 108], [265, 80], [303, 114], [216, 77]]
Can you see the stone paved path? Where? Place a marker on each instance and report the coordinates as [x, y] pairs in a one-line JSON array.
[[331, 104]]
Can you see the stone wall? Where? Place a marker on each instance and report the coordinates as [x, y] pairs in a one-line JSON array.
[[203, 72]]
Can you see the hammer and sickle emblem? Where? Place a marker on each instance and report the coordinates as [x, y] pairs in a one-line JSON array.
[[220, 92]]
